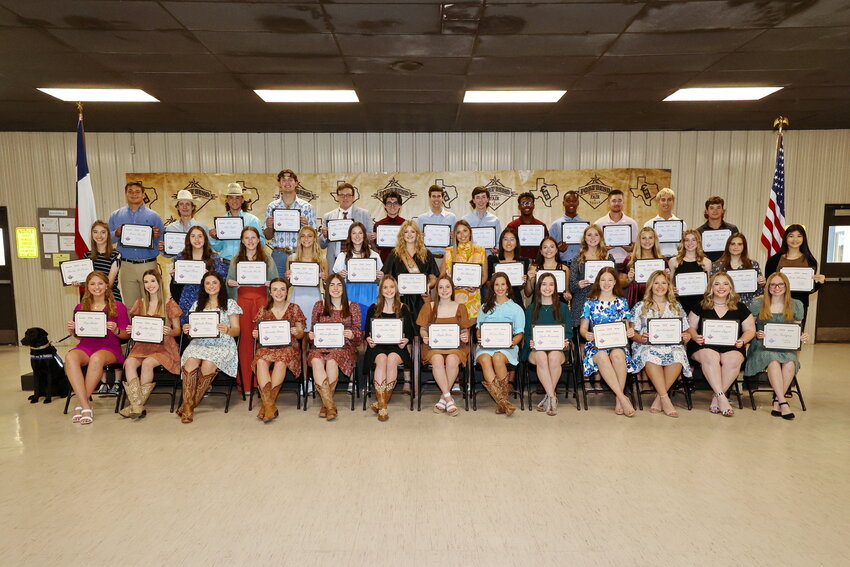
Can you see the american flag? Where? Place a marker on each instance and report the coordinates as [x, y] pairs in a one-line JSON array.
[[774, 218]]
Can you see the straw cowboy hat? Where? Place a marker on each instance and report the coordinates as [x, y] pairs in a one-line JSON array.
[[184, 195], [233, 190]]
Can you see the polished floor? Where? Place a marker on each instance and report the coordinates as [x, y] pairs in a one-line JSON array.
[[580, 488]]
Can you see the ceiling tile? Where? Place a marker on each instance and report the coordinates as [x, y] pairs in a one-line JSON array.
[[405, 45], [250, 17], [543, 45], [710, 15], [59, 70], [754, 77], [93, 14], [783, 60], [186, 80], [265, 44], [429, 65], [516, 81], [655, 81], [384, 18], [410, 96], [303, 64], [305, 81], [96, 41], [529, 65], [22, 40], [204, 95], [819, 14], [794, 39], [159, 62], [677, 43], [557, 18], [616, 64], [409, 82]]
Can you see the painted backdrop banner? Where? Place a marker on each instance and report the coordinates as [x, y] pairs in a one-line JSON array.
[[548, 186]]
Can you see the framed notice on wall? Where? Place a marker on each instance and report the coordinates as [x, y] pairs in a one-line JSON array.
[[56, 236]]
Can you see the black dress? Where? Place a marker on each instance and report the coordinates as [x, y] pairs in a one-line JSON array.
[[739, 314], [688, 301], [516, 295], [394, 266], [407, 331]]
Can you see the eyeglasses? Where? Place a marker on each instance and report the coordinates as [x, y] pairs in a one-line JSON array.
[[392, 204], [345, 195], [776, 286]]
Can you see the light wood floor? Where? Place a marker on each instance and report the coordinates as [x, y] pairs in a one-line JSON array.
[[581, 488]]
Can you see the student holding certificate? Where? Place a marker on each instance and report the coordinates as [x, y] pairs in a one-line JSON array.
[[271, 362], [384, 356], [197, 248], [499, 308], [235, 206], [648, 249], [735, 257], [663, 358], [363, 293], [146, 356], [508, 253], [664, 201], [203, 358], [715, 220], [795, 253], [592, 248], [465, 250], [720, 362], [307, 250], [104, 257], [410, 256], [327, 363], [690, 259], [445, 363], [250, 298], [606, 304], [776, 306], [95, 352], [548, 259], [545, 309], [525, 201]]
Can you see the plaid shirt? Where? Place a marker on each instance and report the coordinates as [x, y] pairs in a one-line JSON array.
[[290, 239]]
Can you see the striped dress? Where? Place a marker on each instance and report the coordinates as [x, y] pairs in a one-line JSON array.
[[103, 264]]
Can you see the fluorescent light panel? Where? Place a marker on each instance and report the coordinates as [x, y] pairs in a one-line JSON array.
[[315, 95], [513, 96], [721, 93], [100, 95]]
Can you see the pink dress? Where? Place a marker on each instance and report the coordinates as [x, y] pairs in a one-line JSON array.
[[110, 342]]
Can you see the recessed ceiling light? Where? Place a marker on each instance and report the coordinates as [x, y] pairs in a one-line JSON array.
[[100, 95], [513, 96], [721, 93], [315, 95]]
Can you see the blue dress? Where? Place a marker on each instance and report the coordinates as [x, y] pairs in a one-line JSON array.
[[662, 355], [220, 350], [189, 294], [507, 312], [596, 312]]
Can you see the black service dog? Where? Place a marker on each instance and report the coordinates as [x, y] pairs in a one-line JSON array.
[[48, 372]]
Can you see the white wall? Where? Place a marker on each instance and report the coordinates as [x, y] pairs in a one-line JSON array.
[[38, 171]]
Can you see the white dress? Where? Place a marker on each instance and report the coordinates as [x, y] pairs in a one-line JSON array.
[[220, 350], [662, 355]]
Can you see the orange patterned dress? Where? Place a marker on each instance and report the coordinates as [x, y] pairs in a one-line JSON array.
[[167, 353], [290, 355], [345, 357], [472, 253]]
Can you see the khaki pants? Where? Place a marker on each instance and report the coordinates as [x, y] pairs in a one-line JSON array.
[[130, 278]]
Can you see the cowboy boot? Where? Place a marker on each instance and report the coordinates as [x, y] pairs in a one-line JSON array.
[[271, 410], [143, 397], [132, 387], [493, 389], [376, 405], [264, 398], [383, 413], [204, 383], [190, 385], [504, 392], [326, 391]]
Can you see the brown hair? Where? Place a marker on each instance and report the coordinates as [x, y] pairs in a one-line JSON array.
[[725, 261], [146, 297], [379, 302], [283, 173], [348, 246], [538, 299], [107, 253], [715, 200], [207, 251], [603, 252], [270, 299], [436, 303], [327, 308], [111, 310], [242, 256], [616, 290], [490, 302], [203, 296]]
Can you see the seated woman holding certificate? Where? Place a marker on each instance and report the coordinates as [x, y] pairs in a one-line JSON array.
[[606, 304], [465, 251], [690, 259], [204, 357], [720, 326], [411, 257], [548, 259], [735, 257], [648, 249], [658, 345], [509, 254], [355, 247], [776, 306], [271, 362], [445, 362], [384, 355], [499, 308], [198, 249], [146, 355], [328, 362], [591, 249], [97, 349], [307, 250], [545, 309], [247, 285], [795, 253]]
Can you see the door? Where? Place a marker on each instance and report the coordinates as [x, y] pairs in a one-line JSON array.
[[833, 319], [8, 321]]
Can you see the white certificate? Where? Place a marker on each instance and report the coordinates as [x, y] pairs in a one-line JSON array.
[[664, 331], [715, 240], [496, 335], [782, 336], [173, 242], [444, 336], [90, 324], [571, 232], [412, 284], [548, 337], [719, 332], [593, 267], [691, 283], [801, 279], [328, 335], [745, 281], [286, 220], [514, 270], [610, 335], [387, 235], [229, 228], [251, 273], [484, 236], [362, 270], [304, 274], [137, 236], [189, 271], [531, 234], [203, 324], [645, 268], [75, 270], [668, 230], [466, 274], [560, 278], [617, 234], [274, 333], [387, 331], [147, 329], [437, 235], [338, 229]]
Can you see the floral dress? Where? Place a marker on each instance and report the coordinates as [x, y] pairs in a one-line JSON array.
[[596, 311], [662, 355], [290, 355], [474, 254], [166, 353], [345, 357], [220, 350]]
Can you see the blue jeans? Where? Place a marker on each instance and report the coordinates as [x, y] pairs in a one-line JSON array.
[[279, 259]]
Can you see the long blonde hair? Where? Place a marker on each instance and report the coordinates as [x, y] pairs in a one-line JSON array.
[[699, 253], [400, 248], [88, 300], [381, 300], [107, 253], [160, 295], [602, 248], [708, 297], [648, 302], [316, 252], [787, 309], [638, 253]]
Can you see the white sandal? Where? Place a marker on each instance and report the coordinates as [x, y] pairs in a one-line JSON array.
[[440, 406], [451, 408], [77, 414], [87, 419]]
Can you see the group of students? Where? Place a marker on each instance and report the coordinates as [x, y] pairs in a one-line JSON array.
[[577, 306]]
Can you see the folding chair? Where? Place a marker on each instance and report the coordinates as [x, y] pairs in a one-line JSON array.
[[420, 369], [291, 383], [369, 377], [476, 385], [698, 382], [568, 380], [642, 386], [759, 383], [109, 372]]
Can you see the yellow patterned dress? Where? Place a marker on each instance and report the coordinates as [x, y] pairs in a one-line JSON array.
[[467, 252]]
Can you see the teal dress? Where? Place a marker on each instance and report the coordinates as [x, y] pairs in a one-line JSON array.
[[759, 357], [546, 316], [507, 312]]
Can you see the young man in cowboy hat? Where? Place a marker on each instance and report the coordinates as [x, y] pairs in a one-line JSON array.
[[235, 206], [284, 243], [186, 207]]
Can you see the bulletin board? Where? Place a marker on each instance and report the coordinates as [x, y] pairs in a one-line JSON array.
[[56, 236]]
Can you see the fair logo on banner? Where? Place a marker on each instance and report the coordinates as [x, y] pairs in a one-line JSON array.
[[303, 193], [393, 185], [449, 193], [499, 193], [546, 192], [594, 192], [644, 190]]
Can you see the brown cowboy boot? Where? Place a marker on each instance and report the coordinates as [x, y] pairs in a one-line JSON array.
[[133, 389], [383, 413], [264, 399], [271, 410], [376, 405], [326, 391], [143, 397], [204, 383], [493, 389], [504, 391], [190, 383]]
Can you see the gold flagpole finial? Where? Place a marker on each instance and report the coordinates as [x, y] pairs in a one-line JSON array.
[[781, 123], [80, 109]]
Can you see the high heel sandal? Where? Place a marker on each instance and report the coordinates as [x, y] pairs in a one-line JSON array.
[[788, 416], [544, 404], [672, 413], [773, 412], [714, 408]]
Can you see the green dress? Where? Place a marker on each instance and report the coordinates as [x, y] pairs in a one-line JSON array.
[[759, 357], [546, 316]]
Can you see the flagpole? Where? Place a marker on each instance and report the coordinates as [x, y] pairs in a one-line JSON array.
[[780, 124]]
